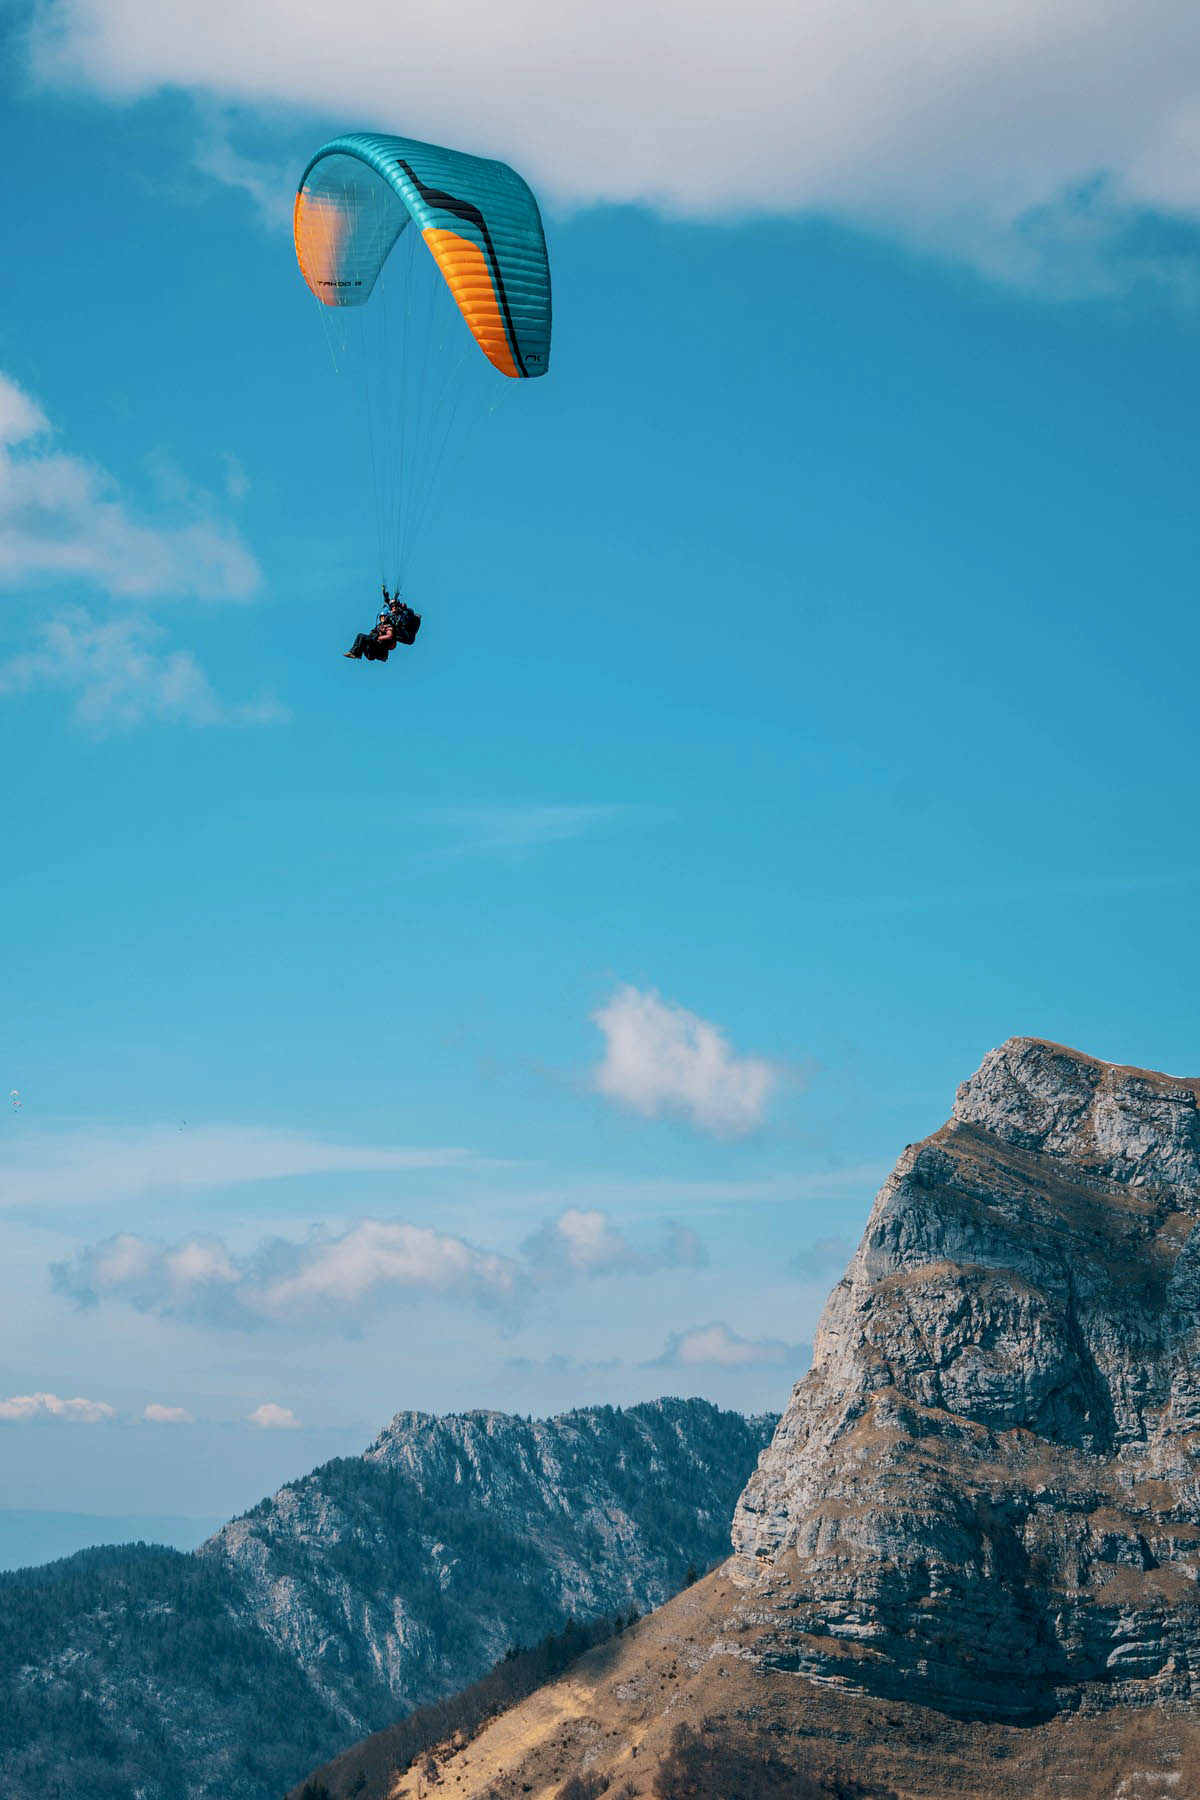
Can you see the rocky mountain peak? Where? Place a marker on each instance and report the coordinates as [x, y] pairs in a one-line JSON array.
[[1129, 1124], [987, 1488]]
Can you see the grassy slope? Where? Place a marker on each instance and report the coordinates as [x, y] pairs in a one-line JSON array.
[[614, 1713]]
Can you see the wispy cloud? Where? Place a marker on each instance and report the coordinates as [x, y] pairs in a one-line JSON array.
[[656, 1196], [559, 1364], [824, 1256], [528, 825], [49, 1409], [660, 1059], [237, 482], [716, 1346], [268, 183], [91, 1167], [1088, 887], [121, 674], [62, 518], [1028, 140], [331, 1278], [584, 1241]]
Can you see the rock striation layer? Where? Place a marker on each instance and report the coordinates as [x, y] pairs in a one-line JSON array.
[[985, 1494]]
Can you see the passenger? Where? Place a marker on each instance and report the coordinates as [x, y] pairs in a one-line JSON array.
[[375, 645]]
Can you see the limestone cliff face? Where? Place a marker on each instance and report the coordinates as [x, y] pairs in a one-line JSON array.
[[986, 1492]]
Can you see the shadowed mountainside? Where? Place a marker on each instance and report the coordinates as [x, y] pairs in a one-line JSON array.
[[375, 1584]]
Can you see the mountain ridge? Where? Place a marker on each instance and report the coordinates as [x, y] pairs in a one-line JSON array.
[[371, 1585]]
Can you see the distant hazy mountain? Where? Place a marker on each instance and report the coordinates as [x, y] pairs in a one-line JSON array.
[[28, 1537], [373, 1584]]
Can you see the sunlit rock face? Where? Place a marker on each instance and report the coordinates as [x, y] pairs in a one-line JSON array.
[[986, 1491]]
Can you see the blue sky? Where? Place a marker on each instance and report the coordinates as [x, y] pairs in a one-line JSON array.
[[805, 703]]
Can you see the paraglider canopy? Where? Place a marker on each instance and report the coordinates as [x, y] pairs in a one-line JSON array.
[[478, 219]]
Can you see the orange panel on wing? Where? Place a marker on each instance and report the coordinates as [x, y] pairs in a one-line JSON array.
[[320, 228], [470, 281]]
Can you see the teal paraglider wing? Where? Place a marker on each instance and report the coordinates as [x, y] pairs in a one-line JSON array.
[[478, 218]]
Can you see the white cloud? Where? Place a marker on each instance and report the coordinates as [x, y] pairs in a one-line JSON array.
[[587, 1242], [325, 1278], [121, 674], [63, 519], [168, 1415], [26, 1409], [378, 1254], [1007, 131], [333, 1278], [662, 1059], [584, 1241], [716, 1346], [270, 1417], [21, 417], [85, 1168]]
